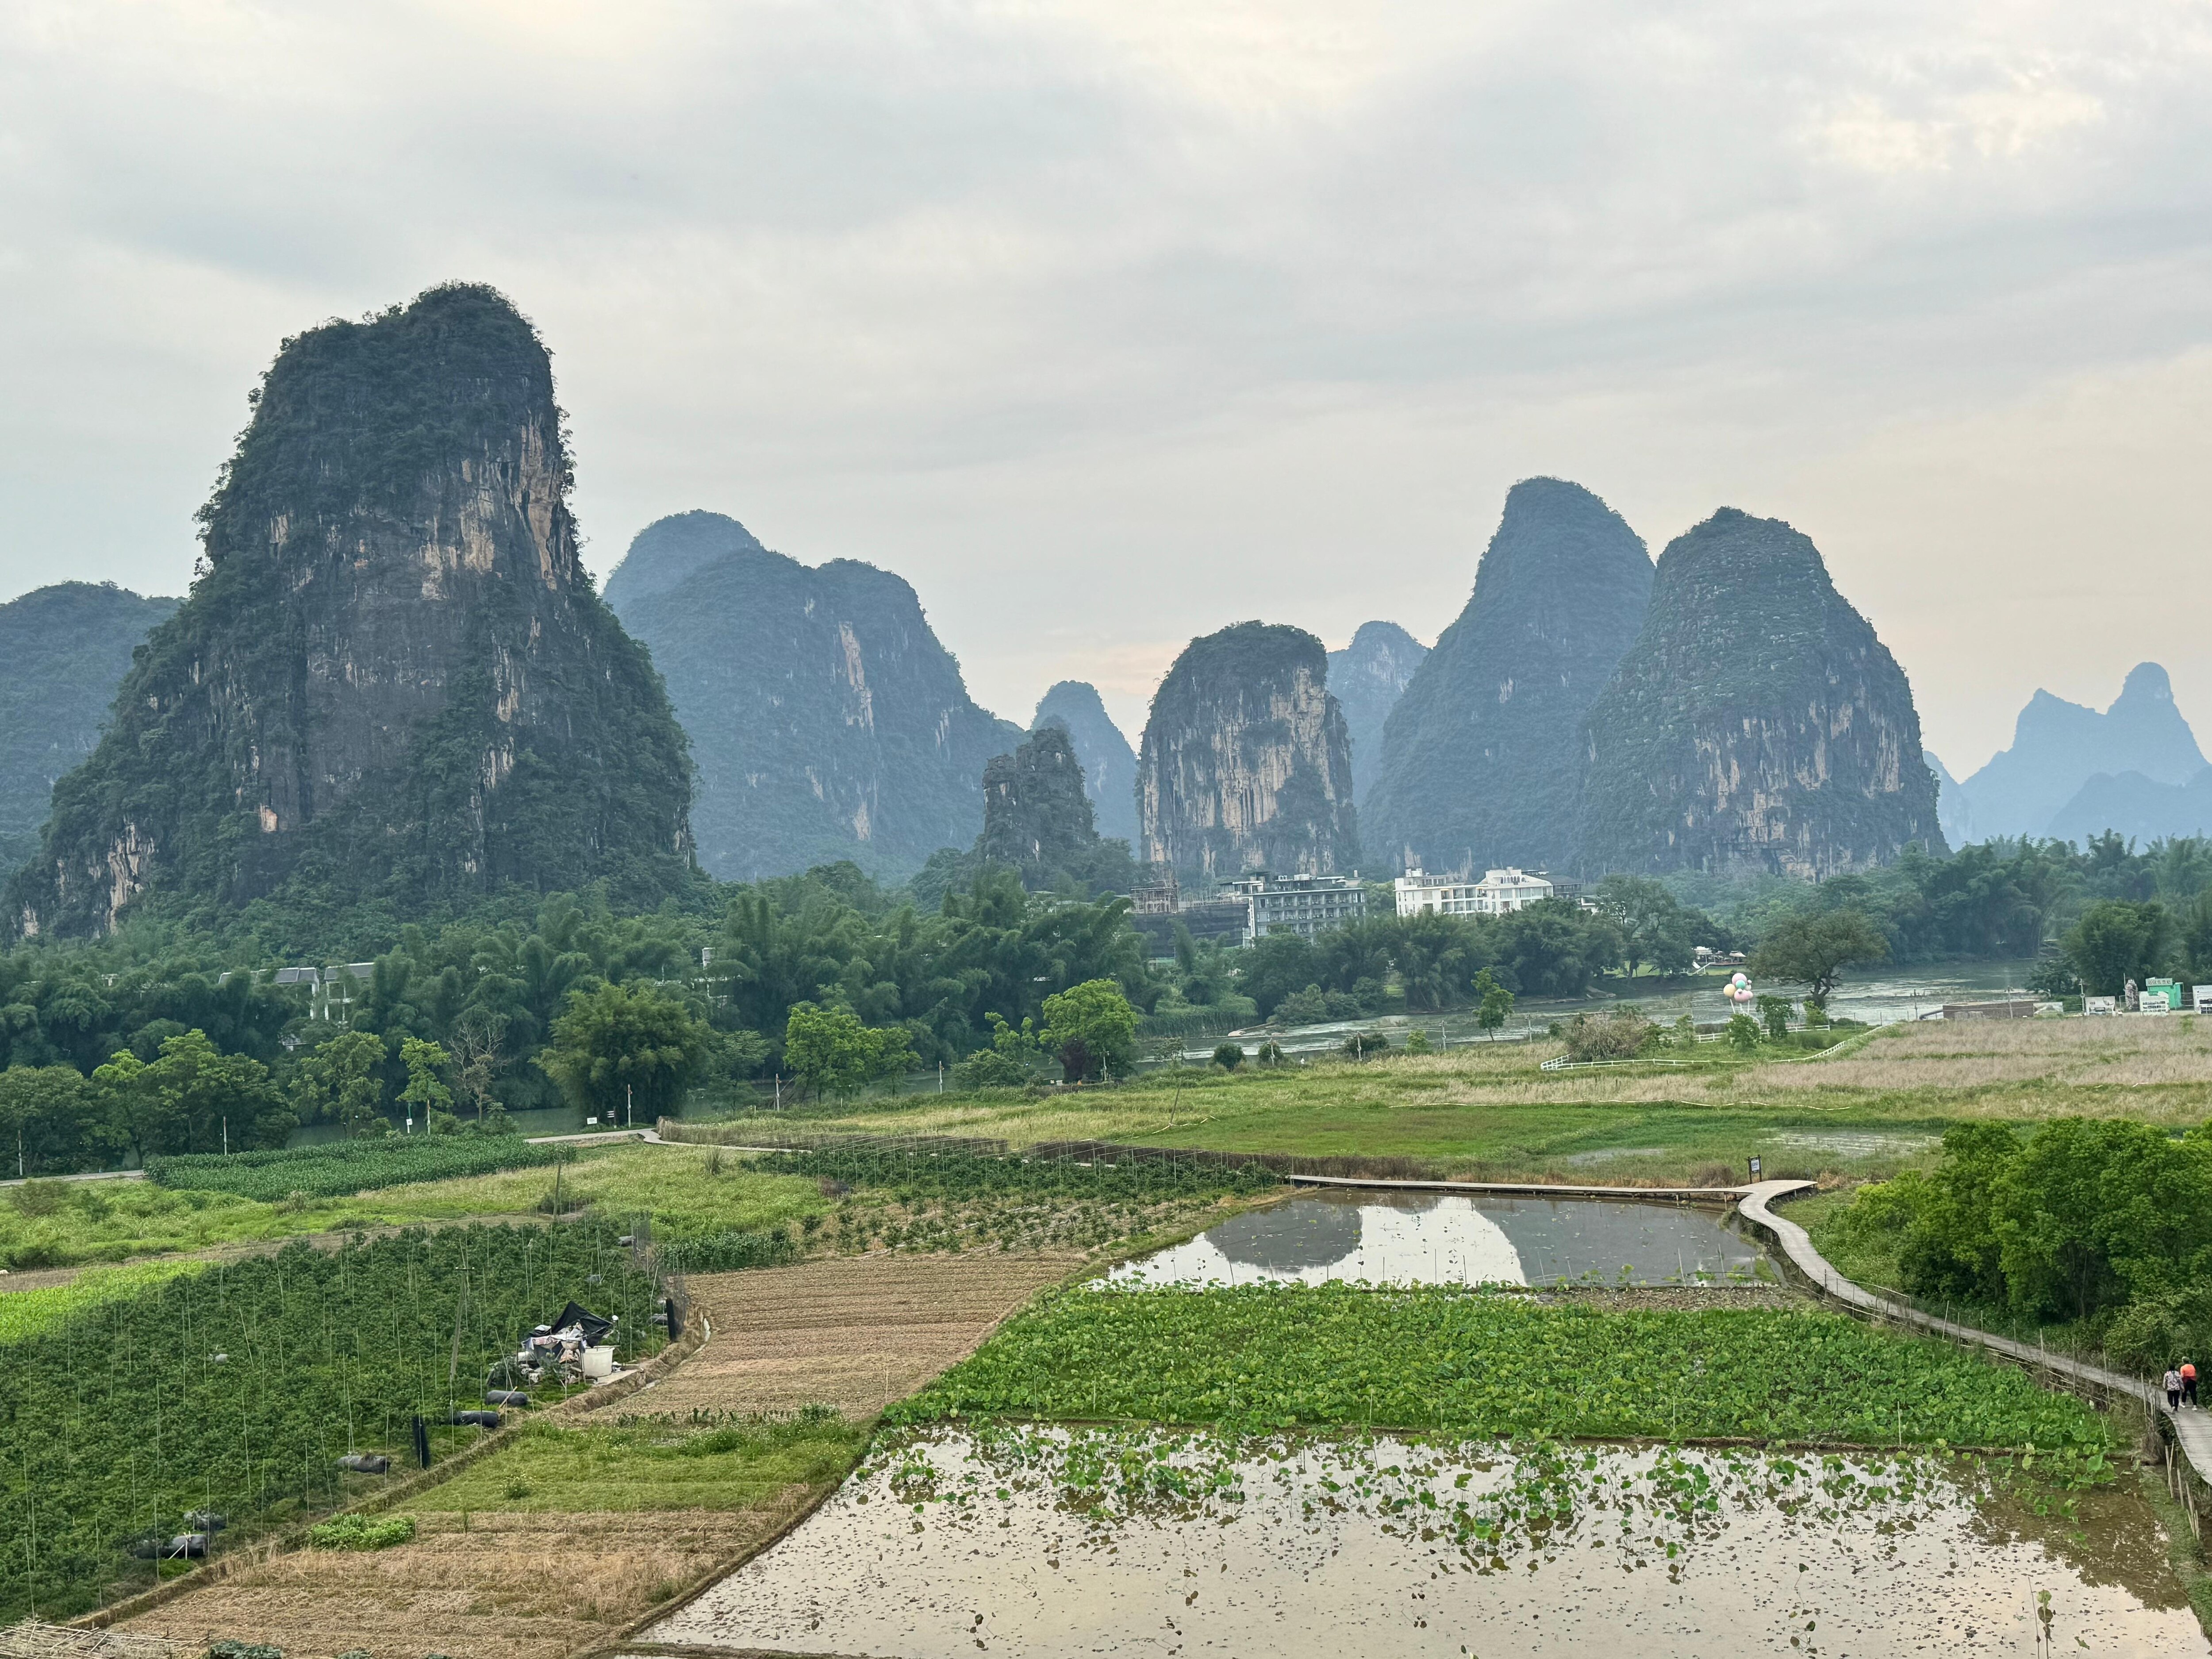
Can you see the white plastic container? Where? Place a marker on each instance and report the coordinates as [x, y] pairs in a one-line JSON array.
[[600, 1362]]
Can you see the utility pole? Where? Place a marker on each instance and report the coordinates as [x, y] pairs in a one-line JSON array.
[[630, 1109]]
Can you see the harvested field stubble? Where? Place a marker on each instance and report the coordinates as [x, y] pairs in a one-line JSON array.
[[855, 1333], [507, 1587]]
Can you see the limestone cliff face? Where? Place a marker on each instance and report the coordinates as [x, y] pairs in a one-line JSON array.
[[1367, 678], [826, 721], [1480, 763], [393, 679], [1246, 762], [1756, 724]]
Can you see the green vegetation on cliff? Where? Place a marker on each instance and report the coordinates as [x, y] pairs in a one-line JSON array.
[[826, 721], [1756, 724], [393, 682]]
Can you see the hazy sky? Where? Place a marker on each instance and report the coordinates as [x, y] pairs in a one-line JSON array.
[[1108, 322]]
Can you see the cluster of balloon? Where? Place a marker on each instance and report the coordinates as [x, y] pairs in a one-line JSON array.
[[1739, 992]]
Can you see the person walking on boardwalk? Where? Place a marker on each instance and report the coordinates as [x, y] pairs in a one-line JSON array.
[[2172, 1386], [2188, 1383]]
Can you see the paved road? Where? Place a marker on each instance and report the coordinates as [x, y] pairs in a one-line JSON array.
[[2192, 1426]]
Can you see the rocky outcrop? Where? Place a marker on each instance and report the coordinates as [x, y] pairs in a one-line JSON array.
[[1757, 724], [394, 680], [1481, 761], [826, 721], [63, 650], [1109, 765], [1246, 762], [1036, 817], [2059, 747], [1367, 678]]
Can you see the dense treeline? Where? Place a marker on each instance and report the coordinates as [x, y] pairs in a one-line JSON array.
[[1999, 898]]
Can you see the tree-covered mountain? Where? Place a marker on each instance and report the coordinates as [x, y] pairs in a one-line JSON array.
[[1756, 724], [394, 681], [1481, 761], [63, 650], [1367, 678], [2059, 747], [826, 721], [1246, 763], [1109, 765]]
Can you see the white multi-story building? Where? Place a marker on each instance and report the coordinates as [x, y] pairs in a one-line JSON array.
[[1499, 893], [1296, 904]]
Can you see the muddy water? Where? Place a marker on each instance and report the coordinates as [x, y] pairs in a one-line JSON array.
[[1043, 1543], [1434, 1238]]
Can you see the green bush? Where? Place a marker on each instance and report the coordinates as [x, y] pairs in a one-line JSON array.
[[1619, 1035], [361, 1532], [1229, 1057]]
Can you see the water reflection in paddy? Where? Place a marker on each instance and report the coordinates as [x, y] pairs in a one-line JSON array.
[[1388, 1237], [1047, 1541]]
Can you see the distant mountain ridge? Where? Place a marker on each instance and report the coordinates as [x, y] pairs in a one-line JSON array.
[[63, 650], [826, 721], [1480, 761], [2139, 809], [1109, 765], [1367, 678], [2059, 747]]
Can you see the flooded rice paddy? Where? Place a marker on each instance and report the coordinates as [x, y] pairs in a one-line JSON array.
[[1032, 1541], [1386, 1237]]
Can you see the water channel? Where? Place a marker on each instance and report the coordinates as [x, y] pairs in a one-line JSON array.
[[1387, 1237], [1050, 1542]]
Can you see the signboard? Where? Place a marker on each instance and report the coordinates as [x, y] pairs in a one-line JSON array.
[[2153, 1002], [1754, 1169], [2201, 1000], [2099, 1004]]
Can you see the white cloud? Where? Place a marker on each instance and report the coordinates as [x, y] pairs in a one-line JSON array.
[[1106, 324]]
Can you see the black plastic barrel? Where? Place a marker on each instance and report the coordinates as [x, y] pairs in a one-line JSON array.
[[513, 1397], [474, 1419], [366, 1462]]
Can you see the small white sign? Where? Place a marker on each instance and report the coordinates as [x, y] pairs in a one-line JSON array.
[[2099, 1004], [590, 1120]]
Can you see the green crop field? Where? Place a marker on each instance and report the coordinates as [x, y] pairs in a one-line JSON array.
[[1268, 1357], [236, 1388], [339, 1169]]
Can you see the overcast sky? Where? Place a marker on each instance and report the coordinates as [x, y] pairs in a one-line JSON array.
[[1108, 322]]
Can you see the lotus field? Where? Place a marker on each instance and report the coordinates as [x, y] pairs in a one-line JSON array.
[[1265, 1358], [237, 1388]]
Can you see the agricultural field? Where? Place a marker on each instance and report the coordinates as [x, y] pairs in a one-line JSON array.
[[46, 1223], [236, 1389], [339, 1169], [548, 1545], [1488, 1111], [1269, 1358]]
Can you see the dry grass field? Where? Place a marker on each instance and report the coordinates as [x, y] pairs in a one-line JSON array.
[[853, 1332]]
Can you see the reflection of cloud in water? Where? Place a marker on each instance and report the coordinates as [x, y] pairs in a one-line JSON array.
[[1310, 1242], [1413, 1238]]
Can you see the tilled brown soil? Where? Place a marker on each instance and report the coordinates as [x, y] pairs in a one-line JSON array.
[[852, 1332], [528, 1586]]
